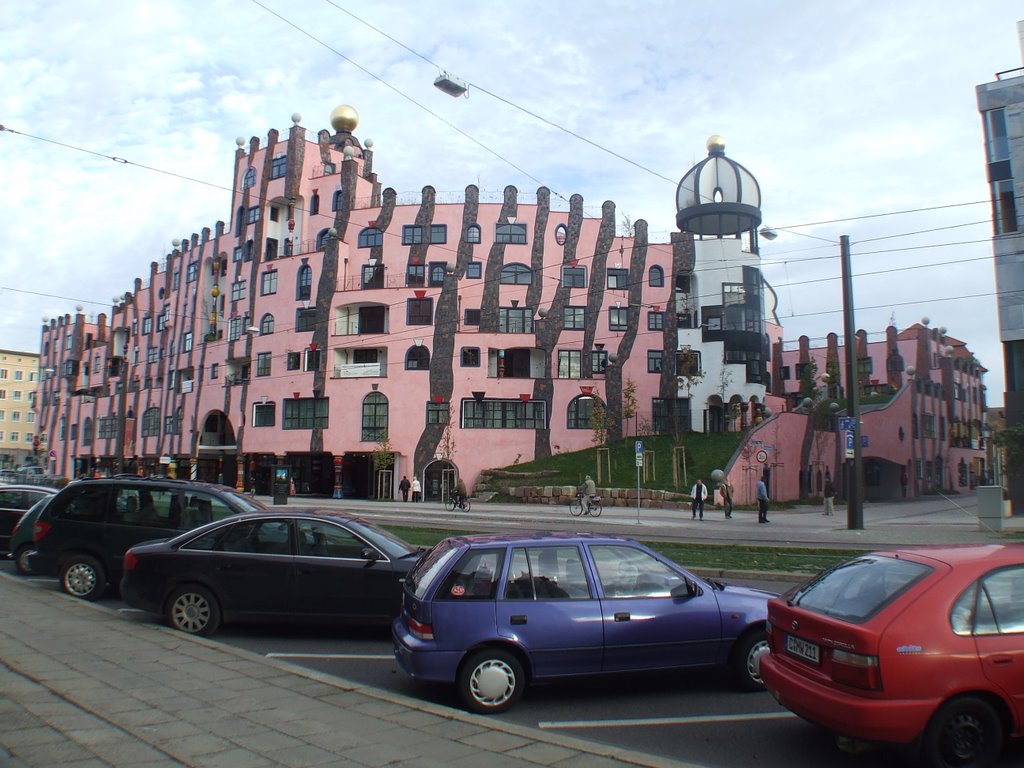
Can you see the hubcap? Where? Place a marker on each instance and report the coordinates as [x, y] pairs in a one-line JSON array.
[[191, 613], [964, 737], [22, 561], [493, 682], [80, 579], [754, 660]]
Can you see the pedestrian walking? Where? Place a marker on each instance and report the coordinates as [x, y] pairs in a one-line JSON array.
[[699, 492], [725, 490], [404, 487], [417, 489], [828, 493], [762, 501]]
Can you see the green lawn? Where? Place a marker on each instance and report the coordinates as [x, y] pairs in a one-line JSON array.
[[726, 557]]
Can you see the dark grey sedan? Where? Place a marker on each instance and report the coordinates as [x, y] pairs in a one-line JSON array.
[[295, 565]]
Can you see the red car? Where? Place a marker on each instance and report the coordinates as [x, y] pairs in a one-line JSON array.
[[922, 648]]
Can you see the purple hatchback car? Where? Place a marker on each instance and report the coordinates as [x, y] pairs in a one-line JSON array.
[[493, 612]]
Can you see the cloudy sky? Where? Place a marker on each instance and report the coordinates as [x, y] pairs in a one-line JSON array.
[[857, 118]]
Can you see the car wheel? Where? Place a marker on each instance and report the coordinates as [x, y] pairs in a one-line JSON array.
[[491, 681], [965, 732], [21, 559], [746, 660], [83, 576], [194, 610]]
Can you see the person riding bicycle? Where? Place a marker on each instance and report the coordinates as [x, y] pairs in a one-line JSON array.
[[587, 491], [460, 493]]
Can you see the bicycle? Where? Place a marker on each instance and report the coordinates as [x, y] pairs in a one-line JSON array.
[[591, 507], [452, 504]]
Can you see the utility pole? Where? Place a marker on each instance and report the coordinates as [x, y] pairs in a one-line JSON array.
[[854, 475]]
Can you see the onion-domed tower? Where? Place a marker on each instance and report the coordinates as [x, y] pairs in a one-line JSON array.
[[718, 197]]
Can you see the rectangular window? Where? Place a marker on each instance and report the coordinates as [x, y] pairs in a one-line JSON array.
[[471, 357], [510, 234], [264, 414], [238, 290], [147, 325], [474, 270], [305, 320], [236, 254], [655, 321], [253, 214], [161, 321], [186, 341], [688, 363], [618, 278], [574, 277], [419, 311], [305, 413], [437, 413], [311, 360], [412, 234], [574, 318], [471, 317], [415, 274], [192, 272], [263, 363], [515, 320], [617, 318], [278, 166], [268, 283], [152, 354], [438, 233], [176, 279], [503, 414], [293, 361], [598, 361], [570, 363], [654, 357]]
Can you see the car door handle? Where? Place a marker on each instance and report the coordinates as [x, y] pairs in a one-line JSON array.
[[622, 616], [517, 619], [1000, 660]]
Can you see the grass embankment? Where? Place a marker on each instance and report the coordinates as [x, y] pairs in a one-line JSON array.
[[725, 557]]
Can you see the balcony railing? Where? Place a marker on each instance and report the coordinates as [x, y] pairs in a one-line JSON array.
[[360, 370]]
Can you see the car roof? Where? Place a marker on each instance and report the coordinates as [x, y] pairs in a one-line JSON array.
[[536, 537], [151, 480], [28, 487], [991, 555]]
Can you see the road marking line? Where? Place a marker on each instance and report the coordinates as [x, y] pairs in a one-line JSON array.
[[697, 720], [353, 656]]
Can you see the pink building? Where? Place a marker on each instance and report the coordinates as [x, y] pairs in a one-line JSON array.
[[355, 337]]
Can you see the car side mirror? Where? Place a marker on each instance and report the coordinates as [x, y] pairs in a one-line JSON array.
[[686, 589], [371, 554]]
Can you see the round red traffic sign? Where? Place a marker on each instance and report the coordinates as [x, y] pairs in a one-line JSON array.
[[762, 456]]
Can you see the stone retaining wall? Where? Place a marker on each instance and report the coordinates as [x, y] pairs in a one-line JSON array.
[[610, 497]]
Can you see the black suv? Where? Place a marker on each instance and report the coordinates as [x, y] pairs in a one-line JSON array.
[[83, 533]]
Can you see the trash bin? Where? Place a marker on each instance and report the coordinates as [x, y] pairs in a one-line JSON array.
[[282, 485]]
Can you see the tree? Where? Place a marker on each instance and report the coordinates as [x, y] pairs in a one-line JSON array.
[[1011, 440], [599, 422], [446, 446], [384, 454], [808, 380], [629, 402]]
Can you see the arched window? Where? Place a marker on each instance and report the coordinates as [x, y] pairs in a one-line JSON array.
[[516, 274], [417, 359], [314, 204], [579, 411], [239, 220], [304, 282], [656, 277], [338, 203], [87, 432], [473, 233], [266, 324], [249, 179], [322, 239], [370, 237], [375, 417], [151, 422]]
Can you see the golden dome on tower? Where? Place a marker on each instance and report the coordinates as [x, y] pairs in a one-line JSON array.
[[344, 118], [716, 142]]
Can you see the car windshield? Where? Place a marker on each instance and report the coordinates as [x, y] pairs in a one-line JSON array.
[[246, 503], [392, 546], [427, 567], [856, 590]]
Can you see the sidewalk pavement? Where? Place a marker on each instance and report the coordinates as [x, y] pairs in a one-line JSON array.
[[83, 687], [80, 686]]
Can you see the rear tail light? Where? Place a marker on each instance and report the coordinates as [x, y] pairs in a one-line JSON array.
[[39, 530], [856, 670], [420, 631], [130, 561]]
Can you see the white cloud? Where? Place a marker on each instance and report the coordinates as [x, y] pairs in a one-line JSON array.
[[840, 111]]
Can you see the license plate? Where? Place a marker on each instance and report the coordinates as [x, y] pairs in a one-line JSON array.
[[805, 650]]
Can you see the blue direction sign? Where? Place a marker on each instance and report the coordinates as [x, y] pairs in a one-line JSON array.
[[847, 423], [639, 447]]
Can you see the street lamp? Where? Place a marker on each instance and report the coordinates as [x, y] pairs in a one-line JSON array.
[[451, 85]]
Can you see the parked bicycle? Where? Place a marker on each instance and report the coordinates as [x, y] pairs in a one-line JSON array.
[[463, 505], [585, 506]]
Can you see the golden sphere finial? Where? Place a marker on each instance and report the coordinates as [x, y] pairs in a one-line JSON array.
[[344, 118], [716, 143]]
